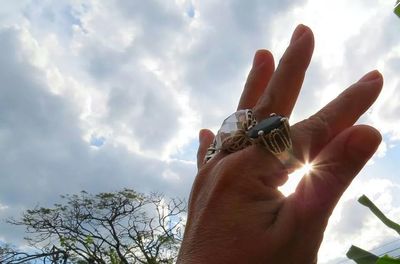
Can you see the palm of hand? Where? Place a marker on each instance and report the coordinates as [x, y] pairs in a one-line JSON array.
[[236, 213]]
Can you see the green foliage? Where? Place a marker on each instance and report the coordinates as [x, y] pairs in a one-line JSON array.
[[88, 240], [397, 8], [114, 259], [387, 260], [364, 200], [361, 256]]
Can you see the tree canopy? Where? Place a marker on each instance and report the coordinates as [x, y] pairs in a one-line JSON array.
[[116, 227]]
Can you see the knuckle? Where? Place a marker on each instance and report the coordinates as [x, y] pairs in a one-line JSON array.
[[225, 167], [313, 133], [251, 77], [336, 178], [293, 59], [318, 125], [347, 97], [295, 56], [229, 169], [288, 62]]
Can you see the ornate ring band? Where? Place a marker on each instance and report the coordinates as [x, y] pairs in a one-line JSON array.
[[241, 130], [273, 133]]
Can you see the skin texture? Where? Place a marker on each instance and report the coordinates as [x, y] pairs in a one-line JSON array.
[[236, 213]]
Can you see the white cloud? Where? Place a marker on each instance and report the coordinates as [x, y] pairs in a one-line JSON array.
[[3, 207], [142, 77], [42, 134], [382, 149]]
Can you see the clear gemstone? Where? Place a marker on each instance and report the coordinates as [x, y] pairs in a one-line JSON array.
[[230, 125]]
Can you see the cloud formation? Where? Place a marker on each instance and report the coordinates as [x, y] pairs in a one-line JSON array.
[[104, 95]]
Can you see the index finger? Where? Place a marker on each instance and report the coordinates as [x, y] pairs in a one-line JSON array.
[[311, 135]]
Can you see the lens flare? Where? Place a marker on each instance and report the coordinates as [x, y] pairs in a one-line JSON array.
[[294, 178], [307, 168]]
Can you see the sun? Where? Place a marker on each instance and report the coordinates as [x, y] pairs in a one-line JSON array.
[[307, 168], [294, 178]]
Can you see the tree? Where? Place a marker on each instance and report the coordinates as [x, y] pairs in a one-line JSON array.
[[119, 228]]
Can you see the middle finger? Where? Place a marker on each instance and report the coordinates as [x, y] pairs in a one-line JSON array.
[[284, 86]]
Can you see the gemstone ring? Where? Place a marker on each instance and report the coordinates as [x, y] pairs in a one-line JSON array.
[[232, 136], [241, 130]]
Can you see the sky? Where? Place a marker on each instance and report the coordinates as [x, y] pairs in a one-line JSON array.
[[104, 95]]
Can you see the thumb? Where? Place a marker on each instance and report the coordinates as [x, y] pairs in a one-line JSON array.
[[206, 137], [333, 170], [307, 211]]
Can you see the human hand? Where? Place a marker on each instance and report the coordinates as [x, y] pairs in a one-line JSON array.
[[236, 213]]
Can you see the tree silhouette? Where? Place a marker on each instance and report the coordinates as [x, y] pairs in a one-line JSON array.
[[117, 227]]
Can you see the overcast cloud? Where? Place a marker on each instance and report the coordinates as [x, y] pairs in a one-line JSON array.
[[101, 95]]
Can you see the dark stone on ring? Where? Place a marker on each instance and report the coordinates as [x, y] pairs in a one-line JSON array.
[[266, 125]]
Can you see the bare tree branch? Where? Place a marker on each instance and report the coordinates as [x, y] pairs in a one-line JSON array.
[[118, 227]]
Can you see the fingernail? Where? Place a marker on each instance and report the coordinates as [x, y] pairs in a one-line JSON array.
[[363, 144], [298, 32], [260, 58], [371, 76]]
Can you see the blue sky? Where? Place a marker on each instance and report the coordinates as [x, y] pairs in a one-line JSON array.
[[102, 95]]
